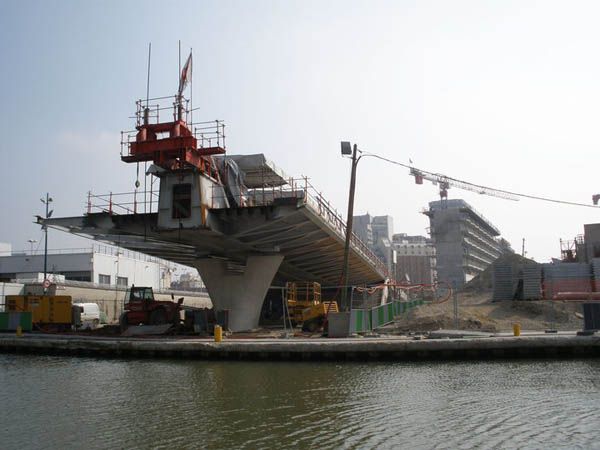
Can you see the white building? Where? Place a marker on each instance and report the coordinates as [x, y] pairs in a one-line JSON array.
[[100, 264]]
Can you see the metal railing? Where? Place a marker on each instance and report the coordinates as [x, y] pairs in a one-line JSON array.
[[101, 249], [301, 189], [141, 202], [209, 134], [154, 109], [150, 113], [137, 202]]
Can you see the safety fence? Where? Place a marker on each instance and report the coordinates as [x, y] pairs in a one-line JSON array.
[[365, 320]]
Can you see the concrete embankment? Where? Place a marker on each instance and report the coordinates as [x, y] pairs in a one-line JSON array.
[[394, 348]]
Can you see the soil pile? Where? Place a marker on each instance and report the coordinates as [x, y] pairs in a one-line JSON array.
[[477, 312]]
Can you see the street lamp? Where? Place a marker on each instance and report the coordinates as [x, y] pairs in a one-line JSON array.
[[31, 242], [348, 149], [46, 202]]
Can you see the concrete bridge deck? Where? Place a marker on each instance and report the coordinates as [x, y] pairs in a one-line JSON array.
[[241, 238]]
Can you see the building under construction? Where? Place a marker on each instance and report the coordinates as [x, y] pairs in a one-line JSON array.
[[465, 241]]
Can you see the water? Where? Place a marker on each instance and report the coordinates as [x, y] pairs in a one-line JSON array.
[[58, 402]]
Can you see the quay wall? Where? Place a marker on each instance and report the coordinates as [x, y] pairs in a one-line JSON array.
[[362, 349]]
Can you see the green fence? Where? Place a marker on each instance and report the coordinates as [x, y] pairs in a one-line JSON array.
[[9, 321], [364, 320]]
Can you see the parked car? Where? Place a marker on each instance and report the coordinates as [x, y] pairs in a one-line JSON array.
[[90, 315]]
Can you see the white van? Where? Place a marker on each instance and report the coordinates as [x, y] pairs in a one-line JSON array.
[[90, 315]]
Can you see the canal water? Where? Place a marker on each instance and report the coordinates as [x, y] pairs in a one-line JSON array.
[[61, 402]]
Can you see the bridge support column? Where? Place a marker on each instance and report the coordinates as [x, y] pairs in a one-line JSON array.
[[242, 293]]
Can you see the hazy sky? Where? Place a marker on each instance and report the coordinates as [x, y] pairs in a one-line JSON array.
[[501, 93]]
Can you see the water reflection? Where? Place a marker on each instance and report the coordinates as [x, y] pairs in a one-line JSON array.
[[75, 402]]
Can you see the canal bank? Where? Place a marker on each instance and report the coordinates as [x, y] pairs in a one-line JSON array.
[[565, 345]]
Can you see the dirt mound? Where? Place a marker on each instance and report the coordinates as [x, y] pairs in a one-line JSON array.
[[476, 311]]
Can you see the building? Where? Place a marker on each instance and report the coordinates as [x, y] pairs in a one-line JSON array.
[[415, 259], [361, 226], [465, 241], [376, 232], [100, 264]]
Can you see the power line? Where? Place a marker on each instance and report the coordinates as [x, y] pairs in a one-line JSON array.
[[479, 187]]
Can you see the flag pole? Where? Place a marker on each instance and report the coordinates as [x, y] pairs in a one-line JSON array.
[[148, 79], [191, 91], [179, 79]]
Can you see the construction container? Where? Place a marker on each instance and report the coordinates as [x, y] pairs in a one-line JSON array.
[[591, 316], [9, 321], [45, 309]]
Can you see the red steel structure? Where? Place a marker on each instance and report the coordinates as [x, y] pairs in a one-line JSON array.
[[173, 145]]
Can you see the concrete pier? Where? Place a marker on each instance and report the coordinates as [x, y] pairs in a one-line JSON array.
[[241, 293], [301, 349]]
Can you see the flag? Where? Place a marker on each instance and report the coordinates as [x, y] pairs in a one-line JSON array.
[[186, 74]]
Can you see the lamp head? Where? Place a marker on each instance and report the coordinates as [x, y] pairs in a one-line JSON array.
[[346, 148]]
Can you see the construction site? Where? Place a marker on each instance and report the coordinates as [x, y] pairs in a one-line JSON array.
[[280, 262]]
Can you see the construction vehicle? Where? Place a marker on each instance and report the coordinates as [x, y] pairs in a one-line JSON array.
[[305, 305], [142, 308], [49, 312]]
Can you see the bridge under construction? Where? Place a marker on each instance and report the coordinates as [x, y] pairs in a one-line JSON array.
[[239, 220]]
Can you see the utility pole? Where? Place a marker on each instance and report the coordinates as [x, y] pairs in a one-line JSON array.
[[345, 273], [46, 202], [523, 248]]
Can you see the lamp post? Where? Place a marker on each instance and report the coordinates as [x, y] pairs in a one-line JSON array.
[[347, 149], [46, 202], [31, 242]]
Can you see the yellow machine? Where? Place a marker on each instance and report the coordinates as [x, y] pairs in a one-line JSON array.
[[47, 310], [305, 305]]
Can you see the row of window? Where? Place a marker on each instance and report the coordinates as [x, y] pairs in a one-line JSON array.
[[105, 279]]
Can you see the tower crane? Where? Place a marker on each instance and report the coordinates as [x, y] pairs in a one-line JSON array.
[[445, 182]]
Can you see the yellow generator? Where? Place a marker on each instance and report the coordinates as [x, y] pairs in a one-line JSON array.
[[305, 305], [50, 311]]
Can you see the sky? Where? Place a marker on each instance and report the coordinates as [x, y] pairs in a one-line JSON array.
[[500, 93]]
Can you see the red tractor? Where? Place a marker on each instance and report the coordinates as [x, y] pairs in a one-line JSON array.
[[141, 308]]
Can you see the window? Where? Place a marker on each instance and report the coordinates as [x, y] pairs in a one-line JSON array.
[[103, 279], [122, 281], [182, 201]]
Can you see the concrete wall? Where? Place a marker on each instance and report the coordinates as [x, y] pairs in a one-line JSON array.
[[140, 273], [419, 268], [204, 191]]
